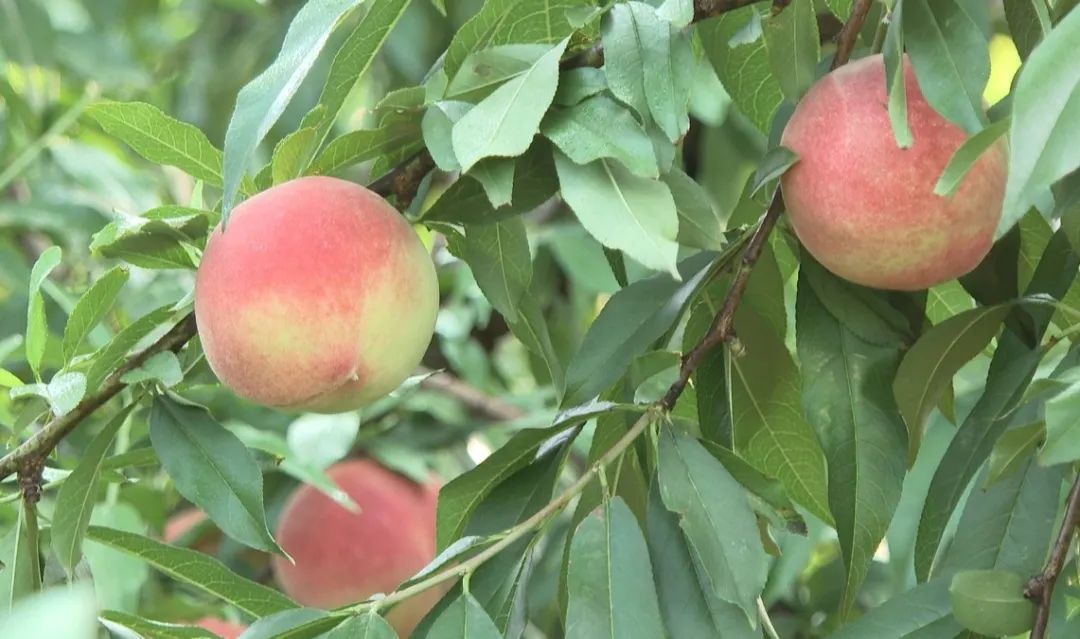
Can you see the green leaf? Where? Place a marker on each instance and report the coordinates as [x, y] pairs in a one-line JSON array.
[[496, 176], [775, 163], [504, 123], [794, 48], [1013, 450], [436, 126], [68, 613], [113, 619], [846, 398], [946, 300], [37, 331], [629, 323], [577, 84], [19, 553], [294, 623], [369, 626], [211, 469], [532, 330], [262, 100], [621, 210], [841, 8], [599, 127], [91, 309], [108, 356], [75, 501], [906, 615], [1029, 24], [649, 66], [466, 201], [609, 579], [716, 518], [161, 367], [742, 64], [292, 154], [351, 62], [196, 569], [486, 69], [1045, 119], [65, 391], [465, 617], [893, 52], [363, 145], [1011, 369], [951, 59], [965, 157], [510, 22], [1008, 526], [160, 138], [9, 379], [1062, 444], [991, 602], [499, 257], [164, 238], [926, 373], [700, 223], [687, 601]]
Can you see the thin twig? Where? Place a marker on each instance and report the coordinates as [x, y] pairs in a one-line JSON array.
[[1040, 588], [41, 443], [475, 399], [849, 34]]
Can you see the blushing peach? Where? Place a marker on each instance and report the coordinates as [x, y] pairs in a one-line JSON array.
[[342, 557], [221, 628], [317, 296], [864, 207]]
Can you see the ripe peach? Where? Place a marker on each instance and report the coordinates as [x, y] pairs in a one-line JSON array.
[[864, 207], [343, 557], [184, 521], [317, 296], [221, 628]]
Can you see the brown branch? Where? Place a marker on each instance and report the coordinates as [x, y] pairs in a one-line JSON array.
[[403, 181], [40, 444], [1040, 588], [849, 33], [475, 399]]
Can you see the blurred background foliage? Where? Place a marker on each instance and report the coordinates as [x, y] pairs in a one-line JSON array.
[[62, 179]]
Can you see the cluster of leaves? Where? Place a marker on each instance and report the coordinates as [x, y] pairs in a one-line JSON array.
[[583, 149]]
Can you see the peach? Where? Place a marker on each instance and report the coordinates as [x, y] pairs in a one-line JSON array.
[[183, 522], [316, 296], [864, 207], [221, 628], [342, 557]]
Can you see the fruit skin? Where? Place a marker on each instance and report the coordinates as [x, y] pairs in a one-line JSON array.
[[864, 207], [223, 629], [179, 524], [343, 557], [318, 296]]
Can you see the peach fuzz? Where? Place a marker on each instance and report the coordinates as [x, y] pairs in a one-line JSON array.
[[316, 296], [864, 207], [342, 557]]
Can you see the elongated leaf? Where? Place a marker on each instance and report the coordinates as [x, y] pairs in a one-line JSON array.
[[1011, 369], [361, 146], [599, 127], [37, 331], [951, 59], [212, 469], [911, 614], [499, 257], [716, 518], [532, 330], [486, 69], [297, 622], [736, 47], [700, 223], [115, 620], [893, 53], [262, 101], [64, 392], [369, 626], [1045, 121], [91, 309], [75, 501], [687, 601], [846, 397], [465, 617], [496, 175], [1029, 23], [609, 579], [160, 138], [61, 612], [108, 356], [1008, 526], [926, 373], [793, 45], [630, 322], [504, 123], [22, 571], [1062, 445], [194, 568], [1012, 451], [965, 157], [621, 210]]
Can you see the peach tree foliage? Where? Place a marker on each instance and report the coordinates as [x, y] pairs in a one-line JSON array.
[[657, 415]]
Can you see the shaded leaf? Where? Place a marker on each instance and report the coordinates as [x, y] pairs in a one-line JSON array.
[[599, 127], [91, 309]]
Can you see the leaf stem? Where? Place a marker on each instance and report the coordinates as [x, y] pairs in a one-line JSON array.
[[766, 622]]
